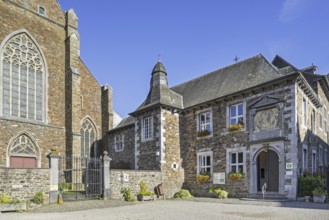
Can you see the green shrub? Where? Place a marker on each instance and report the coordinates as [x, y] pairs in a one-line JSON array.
[[65, 186], [183, 194], [308, 183], [38, 198], [221, 194], [127, 194], [4, 198]]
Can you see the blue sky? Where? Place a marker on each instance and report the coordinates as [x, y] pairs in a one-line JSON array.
[[122, 39]]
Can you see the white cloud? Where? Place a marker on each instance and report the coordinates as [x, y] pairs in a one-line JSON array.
[[292, 9]]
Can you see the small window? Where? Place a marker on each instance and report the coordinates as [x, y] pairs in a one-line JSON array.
[[147, 129], [324, 120], [205, 121], [313, 121], [42, 11], [304, 112], [118, 142], [236, 114], [304, 158], [205, 163], [320, 120], [313, 162]]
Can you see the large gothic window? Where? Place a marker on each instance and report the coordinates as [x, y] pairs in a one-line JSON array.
[[23, 153], [23, 79], [88, 138]]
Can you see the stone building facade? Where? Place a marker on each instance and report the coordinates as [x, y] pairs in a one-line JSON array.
[[49, 100], [267, 120]]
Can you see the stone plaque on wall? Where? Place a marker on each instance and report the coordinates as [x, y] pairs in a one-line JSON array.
[[266, 119], [219, 178]]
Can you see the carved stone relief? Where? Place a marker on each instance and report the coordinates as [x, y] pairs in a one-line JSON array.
[[266, 119]]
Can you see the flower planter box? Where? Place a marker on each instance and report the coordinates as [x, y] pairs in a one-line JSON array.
[[319, 198], [145, 198], [13, 207]]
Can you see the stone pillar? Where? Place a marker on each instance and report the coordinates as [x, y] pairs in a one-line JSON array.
[[54, 178], [106, 176]]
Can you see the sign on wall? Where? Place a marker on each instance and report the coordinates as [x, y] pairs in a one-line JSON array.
[[219, 178], [289, 166]]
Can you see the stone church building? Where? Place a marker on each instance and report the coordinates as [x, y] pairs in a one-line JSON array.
[[49, 100], [267, 120]]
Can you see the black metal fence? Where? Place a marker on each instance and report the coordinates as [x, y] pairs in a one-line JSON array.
[[80, 178]]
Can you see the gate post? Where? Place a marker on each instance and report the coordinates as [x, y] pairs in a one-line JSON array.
[[106, 176], [54, 178]]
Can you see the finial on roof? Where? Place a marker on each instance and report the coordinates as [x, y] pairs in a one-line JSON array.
[[159, 58], [236, 59]]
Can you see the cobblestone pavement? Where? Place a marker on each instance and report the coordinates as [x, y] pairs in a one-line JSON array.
[[99, 204], [196, 208]]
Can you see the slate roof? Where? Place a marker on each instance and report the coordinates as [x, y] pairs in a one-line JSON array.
[[160, 94], [228, 80], [125, 122]]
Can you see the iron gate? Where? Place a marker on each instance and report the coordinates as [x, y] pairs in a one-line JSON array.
[[80, 178]]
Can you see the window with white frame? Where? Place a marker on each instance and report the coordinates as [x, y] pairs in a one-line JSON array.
[[304, 112], [236, 162], [23, 79], [237, 114], [118, 142], [205, 162], [205, 121], [147, 128], [304, 158]]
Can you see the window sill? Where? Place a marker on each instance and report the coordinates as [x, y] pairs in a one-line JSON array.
[[204, 137]]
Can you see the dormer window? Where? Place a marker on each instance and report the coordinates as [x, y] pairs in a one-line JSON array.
[[42, 11]]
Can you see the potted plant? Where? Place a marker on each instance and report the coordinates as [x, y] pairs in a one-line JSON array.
[[319, 194], [144, 194], [203, 177], [236, 175]]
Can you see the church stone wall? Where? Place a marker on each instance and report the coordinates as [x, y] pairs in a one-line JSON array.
[[124, 159]]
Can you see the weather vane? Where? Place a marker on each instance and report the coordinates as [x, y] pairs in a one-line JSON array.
[[236, 59]]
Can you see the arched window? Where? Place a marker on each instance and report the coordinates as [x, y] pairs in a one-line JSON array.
[[88, 138], [23, 153], [23, 79]]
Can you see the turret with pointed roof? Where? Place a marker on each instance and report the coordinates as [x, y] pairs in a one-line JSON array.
[[160, 94]]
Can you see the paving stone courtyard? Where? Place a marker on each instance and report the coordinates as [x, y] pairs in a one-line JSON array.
[[196, 208]]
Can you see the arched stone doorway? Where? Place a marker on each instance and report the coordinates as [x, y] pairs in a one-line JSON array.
[[268, 170]]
